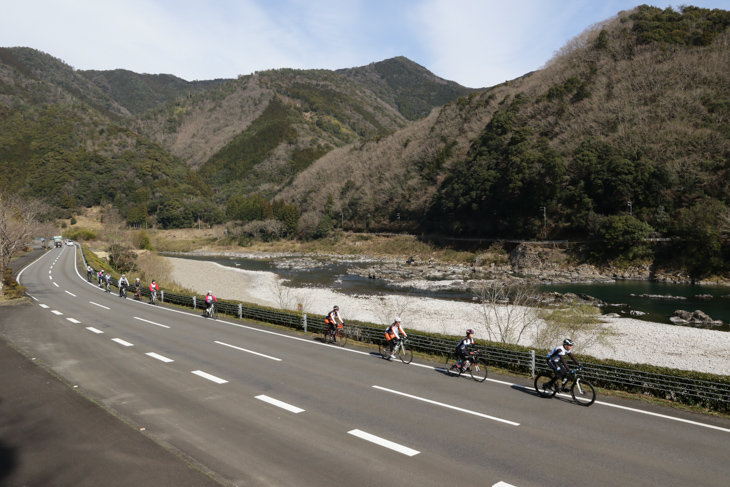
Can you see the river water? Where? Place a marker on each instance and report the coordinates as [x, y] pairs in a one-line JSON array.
[[622, 296]]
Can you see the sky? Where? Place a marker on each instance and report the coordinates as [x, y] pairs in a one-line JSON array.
[[477, 43]]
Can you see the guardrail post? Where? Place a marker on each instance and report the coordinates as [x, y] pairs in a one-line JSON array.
[[194, 303], [304, 322], [162, 296], [240, 311], [532, 364]]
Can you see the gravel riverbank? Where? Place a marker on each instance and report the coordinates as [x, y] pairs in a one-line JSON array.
[[635, 341]]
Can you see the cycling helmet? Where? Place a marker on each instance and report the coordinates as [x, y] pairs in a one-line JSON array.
[[210, 292], [469, 331], [397, 320], [336, 308], [137, 279], [568, 341]]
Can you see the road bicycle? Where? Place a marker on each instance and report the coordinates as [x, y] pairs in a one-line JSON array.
[[337, 335], [404, 353], [108, 286], [153, 297], [474, 364], [123, 292], [138, 294], [211, 312], [583, 392]]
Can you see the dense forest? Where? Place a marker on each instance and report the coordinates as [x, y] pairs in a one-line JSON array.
[[622, 137]]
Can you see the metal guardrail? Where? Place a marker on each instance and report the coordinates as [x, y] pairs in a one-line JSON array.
[[665, 386]]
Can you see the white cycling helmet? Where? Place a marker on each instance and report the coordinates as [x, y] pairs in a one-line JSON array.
[[397, 320]]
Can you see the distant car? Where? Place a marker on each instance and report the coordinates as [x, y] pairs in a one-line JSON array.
[[69, 242]]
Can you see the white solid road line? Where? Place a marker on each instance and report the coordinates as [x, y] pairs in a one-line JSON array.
[[205, 375], [447, 406], [91, 328], [151, 322], [96, 304], [280, 404], [122, 342], [249, 351], [160, 357], [383, 442]]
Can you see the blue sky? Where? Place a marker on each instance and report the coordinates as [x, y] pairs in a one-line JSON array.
[[477, 43]]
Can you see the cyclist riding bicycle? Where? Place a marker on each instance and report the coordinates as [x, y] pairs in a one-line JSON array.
[[331, 320], [100, 276], [462, 348], [89, 272], [137, 288], [556, 361], [209, 300], [153, 290], [108, 281], [392, 335], [123, 283]]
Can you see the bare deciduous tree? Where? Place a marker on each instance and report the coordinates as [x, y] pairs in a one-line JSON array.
[[506, 311], [388, 307], [577, 321], [19, 219]]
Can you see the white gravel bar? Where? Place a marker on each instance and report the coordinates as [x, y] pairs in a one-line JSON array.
[[636, 341]]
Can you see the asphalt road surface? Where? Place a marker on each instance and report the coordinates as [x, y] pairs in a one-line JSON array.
[[251, 405]]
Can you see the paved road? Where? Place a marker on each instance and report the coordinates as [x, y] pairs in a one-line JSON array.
[[258, 406]]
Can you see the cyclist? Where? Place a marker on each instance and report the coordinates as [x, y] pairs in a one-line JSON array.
[[89, 272], [209, 300], [556, 361], [100, 276], [392, 335], [462, 348], [137, 289], [108, 281], [331, 320], [122, 283], [153, 290]]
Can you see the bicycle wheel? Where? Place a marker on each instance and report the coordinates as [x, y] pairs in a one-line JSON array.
[[384, 350], [479, 370], [542, 381], [341, 337], [215, 313], [451, 368], [583, 393], [405, 354]]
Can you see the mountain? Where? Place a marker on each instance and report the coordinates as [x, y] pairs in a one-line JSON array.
[[624, 133], [243, 136], [406, 86]]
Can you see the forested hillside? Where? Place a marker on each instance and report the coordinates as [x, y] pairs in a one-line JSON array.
[[623, 135], [141, 92]]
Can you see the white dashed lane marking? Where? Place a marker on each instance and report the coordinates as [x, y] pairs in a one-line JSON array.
[[383, 442], [280, 404], [206, 375]]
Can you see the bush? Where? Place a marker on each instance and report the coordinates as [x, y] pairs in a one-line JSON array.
[[11, 288], [80, 234]]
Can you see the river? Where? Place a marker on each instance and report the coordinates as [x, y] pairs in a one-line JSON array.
[[622, 296]]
